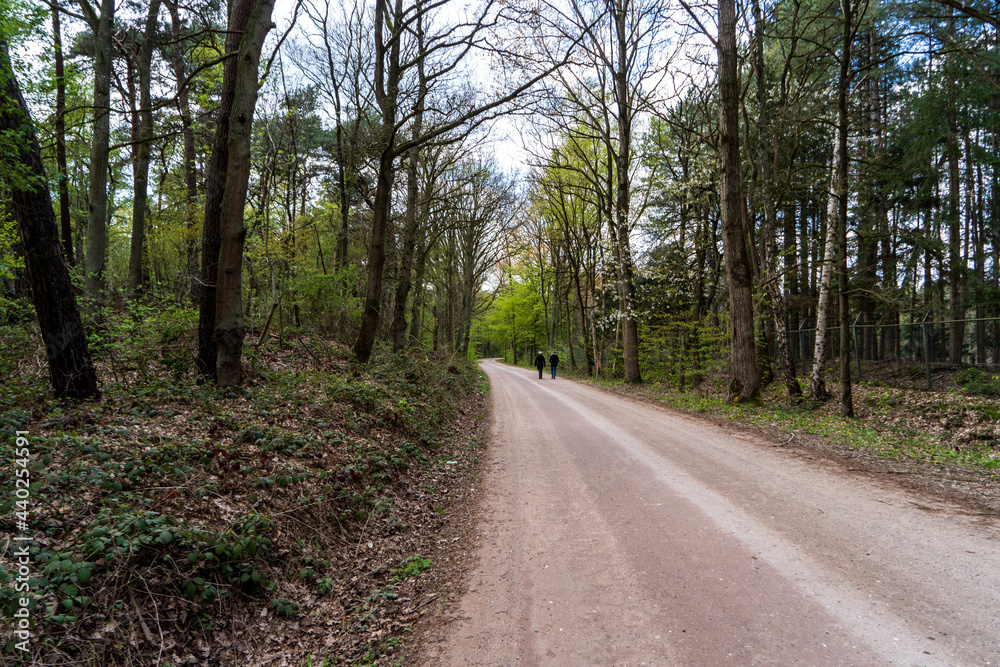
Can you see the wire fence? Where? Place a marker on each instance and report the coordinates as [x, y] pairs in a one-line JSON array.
[[928, 341]]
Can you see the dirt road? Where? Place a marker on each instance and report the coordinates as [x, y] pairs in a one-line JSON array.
[[617, 533]]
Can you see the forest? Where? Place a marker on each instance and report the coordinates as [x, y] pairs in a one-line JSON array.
[[248, 251], [652, 188]]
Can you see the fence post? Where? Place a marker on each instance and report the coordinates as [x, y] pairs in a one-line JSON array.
[[927, 349]]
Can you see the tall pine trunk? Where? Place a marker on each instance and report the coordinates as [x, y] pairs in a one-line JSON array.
[[846, 393]]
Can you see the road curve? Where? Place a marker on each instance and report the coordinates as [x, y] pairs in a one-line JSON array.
[[613, 532]]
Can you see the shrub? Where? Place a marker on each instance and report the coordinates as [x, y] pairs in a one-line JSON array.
[[976, 382]]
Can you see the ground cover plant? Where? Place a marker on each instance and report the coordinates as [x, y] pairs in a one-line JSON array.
[[291, 521]]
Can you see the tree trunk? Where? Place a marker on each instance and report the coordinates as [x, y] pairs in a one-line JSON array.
[[817, 387], [769, 243], [956, 264], [232, 233], [417, 305], [141, 150], [387, 95], [187, 132], [745, 383], [215, 185], [846, 394], [71, 370], [630, 338], [397, 329], [97, 234], [60, 128]]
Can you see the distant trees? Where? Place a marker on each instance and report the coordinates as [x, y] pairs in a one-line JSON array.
[[822, 190]]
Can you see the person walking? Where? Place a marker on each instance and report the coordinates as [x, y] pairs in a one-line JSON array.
[[539, 363], [553, 362]]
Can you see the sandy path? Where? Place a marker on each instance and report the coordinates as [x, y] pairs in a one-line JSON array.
[[617, 533]]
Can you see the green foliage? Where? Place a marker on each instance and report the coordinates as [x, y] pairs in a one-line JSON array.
[[329, 303], [679, 351], [976, 382], [144, 337], [285, 608], [413, 566]]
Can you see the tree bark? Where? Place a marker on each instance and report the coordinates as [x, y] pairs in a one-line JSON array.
[[745, 383], [187, 132], [97, 233], [817, 386], [215, 186], [397, 329], [630, 333], [232, 233], [71, 370], [387, 95], [770, 246], [846, 393], [141, 148], [65, 221]]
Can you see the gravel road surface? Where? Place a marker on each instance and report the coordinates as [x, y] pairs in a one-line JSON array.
[[613, 532]]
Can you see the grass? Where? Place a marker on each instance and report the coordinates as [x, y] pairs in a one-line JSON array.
[[903, 439]]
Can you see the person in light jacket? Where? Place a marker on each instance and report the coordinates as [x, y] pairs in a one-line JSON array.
[[539, 363]]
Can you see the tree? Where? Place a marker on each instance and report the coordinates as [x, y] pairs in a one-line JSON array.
[[220, 314], [60, 130], [229, 293], [767, 193], [102, 25], [71, 370], [447, 48], [745, 383], [142, 137]]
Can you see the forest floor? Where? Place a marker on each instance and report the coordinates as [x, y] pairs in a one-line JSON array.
[[308, 518]]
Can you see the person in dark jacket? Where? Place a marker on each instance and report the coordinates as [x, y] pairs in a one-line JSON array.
[[553, 362], [539, 363]]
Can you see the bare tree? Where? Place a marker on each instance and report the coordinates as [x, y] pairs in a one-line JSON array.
[[607, 90], [486, 214], [446, 47]]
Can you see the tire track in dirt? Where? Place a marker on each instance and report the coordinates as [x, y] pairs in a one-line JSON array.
[[613, 532]]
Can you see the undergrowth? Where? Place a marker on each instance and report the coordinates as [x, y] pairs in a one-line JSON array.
[[168, 514]]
